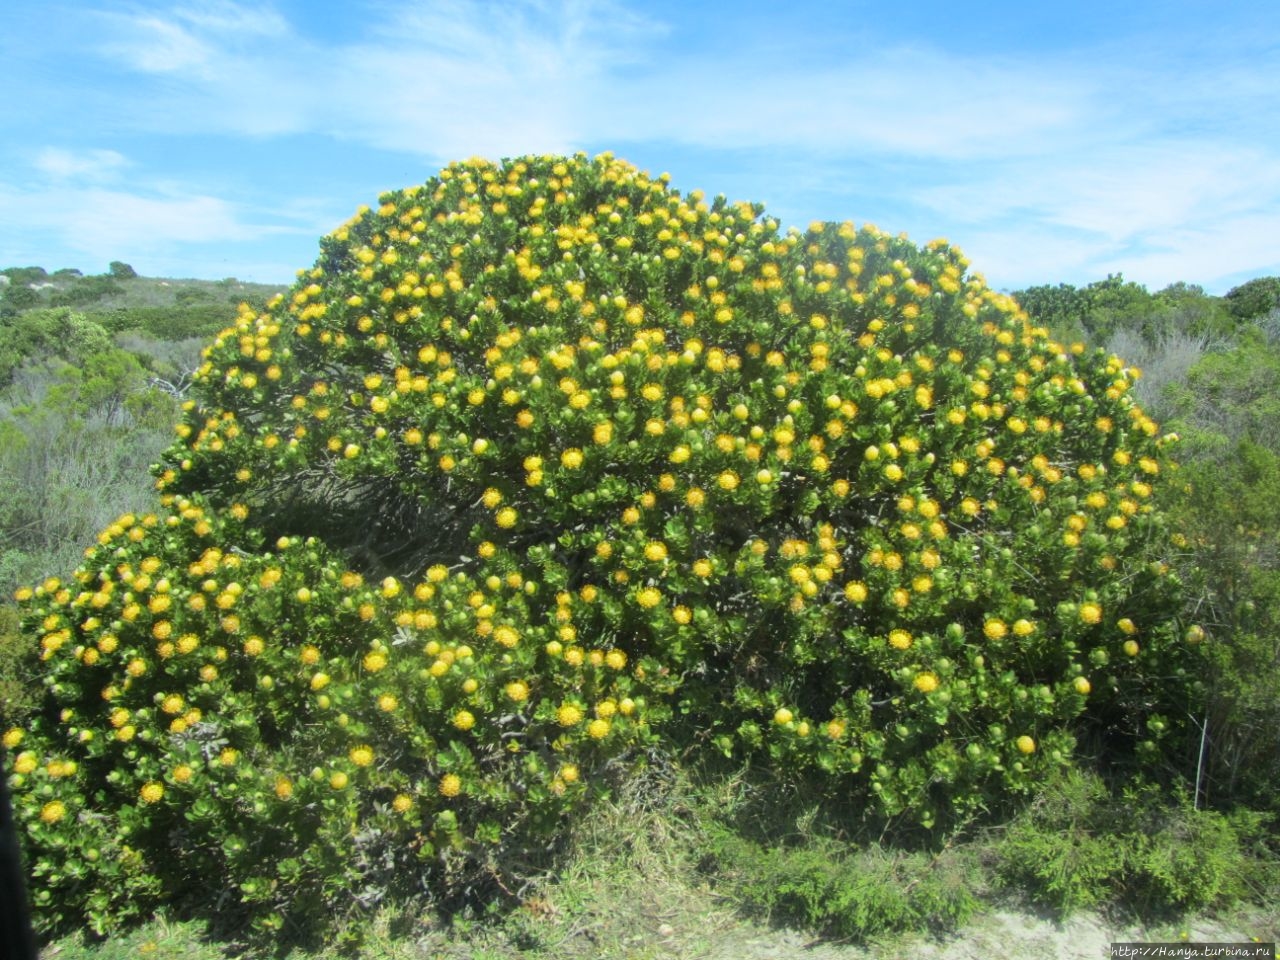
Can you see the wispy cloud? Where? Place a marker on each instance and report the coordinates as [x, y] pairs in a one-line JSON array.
[[1128, 148], [157, 45], [459, 77], [188, 39], [233, 20], [84, 165], [1157, 210], [81, 203]]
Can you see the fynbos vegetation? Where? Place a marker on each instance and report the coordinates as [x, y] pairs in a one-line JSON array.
[[544, 473]]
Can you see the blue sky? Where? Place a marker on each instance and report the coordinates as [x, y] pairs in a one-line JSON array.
[[1051, 142]]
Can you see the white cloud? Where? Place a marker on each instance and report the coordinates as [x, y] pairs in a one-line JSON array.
[[1115, 192], [233, 19], [458, 78], [76, 204], [195, 41], [110, 223], [1130, 152], [100, 220], [89, 165], [906, 101], [1156, 211], [154, 45], [1214, 252]]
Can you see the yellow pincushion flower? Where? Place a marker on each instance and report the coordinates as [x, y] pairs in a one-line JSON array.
[[900, 639], [994, 628], [1090, 613], [53, 811], [569, 715], [598, 729], [361, 756], [450, 785], [649, 597], [152, 792], [655, 551], [926, 682]]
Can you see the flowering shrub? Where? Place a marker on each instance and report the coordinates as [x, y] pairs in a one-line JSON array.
[[543, 459]]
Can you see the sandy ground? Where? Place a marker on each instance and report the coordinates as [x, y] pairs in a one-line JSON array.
[[999, 935]]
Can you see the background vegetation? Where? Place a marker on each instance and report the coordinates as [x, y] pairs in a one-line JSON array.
[[92, 373]]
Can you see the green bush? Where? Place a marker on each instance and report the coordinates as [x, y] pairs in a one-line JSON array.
[[14, 298], [825, 887], [177, 322], [1255, 298], [19, 691], [1227, 504], [39, 334], [87, 290], [75, 444], [1146, 851], [25, 275], [542, 460], [1116, 308]]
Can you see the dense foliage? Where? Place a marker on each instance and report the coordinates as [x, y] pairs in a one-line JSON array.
[[1100, 311], [542, 462]]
